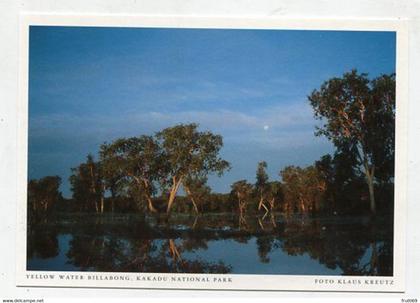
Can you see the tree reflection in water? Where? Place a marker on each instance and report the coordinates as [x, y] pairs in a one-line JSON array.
[[42, 243], [355, 246]]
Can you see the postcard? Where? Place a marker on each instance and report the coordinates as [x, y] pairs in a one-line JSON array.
[[212, 153]]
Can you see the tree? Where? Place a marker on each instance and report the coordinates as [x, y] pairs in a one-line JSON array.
[[87, 186], [359, 116], [303, 188], [243, 191], [261, 185], [383, 123], [134, 164], [112, 182], [189, 153], [197, 191], [292, 186], [42, 195], [274, 194], [343, 183]]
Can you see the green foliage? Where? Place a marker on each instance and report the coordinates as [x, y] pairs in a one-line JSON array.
[[243, 192], [359, 118], [345, 188], [242, 188], [303, 189], [275, 195], [262, 178], [270, 194], [132, 167], [43, 194], [382, 127], [86, 184], [140, 168], [191, 154], [358, 115], [197, 191]]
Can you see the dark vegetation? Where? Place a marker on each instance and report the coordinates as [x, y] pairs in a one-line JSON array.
[[145, 174]]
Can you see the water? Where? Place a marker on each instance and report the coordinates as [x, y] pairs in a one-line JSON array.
[[212, 243]]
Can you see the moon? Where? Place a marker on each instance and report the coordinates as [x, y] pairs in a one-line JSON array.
[[266, 127]]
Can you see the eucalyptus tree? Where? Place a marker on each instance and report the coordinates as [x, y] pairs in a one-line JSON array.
[[113, 183], [189, 153], [261, 184], [344, 184], [243, 192], [197, 190], [43, 194], [274, 194], [134, 164], [304, 188], [86, 185], [359, 117]]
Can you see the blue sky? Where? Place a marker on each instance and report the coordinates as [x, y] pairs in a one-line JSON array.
[[89, 85]]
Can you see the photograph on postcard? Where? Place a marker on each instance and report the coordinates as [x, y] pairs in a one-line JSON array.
[[211, 151]]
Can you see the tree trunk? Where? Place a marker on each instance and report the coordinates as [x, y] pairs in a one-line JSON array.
[[260, 224], [273, 220], [150, 205], [112, 199], [93, 188], [240, 205], [102, 204], [371, 196], [148, 197], [242, 220], [265, 215], [302, 205], [195, 222], [194, 205], [261, 203], [146, 191], [172, 195], [189, 193], [103, 197], [45, 206], [369, 179], [171, 200], [174, 250], [374, 259], [271, 202]]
